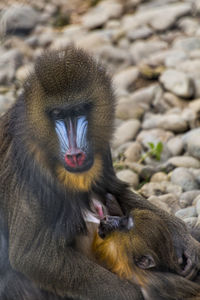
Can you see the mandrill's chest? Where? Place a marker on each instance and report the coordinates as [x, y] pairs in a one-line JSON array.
[[83, 243]]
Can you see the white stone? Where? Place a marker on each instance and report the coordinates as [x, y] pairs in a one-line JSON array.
[[129, 177], [126, 132], [178, 83]]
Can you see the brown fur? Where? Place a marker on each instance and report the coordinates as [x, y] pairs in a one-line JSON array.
[[42, 214], [120, 252]]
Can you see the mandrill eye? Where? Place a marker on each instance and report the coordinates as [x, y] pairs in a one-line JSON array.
[[56, 113]]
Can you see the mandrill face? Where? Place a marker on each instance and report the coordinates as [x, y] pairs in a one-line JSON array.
[[70, 98], [71, 127]]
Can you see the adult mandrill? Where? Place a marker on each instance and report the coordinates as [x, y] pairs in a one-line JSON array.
[[54, 152]]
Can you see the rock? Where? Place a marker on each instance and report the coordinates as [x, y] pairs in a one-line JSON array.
[[172, 202], [159, 18], [140, 33], [198, 207], [9, 62], [91, 41], [187, 198], [195, 200], [173, 101], [18, 18], [191, 141], [172, 122], [160, 188], [145, 96], [101, 13], [153, 136], [187, 212], [158, 202], [129, 177], [184, 161], [133, 152], [115, 58], [5, 103], [175, 145], [190, 222], [141, 50], [128, 109], [187, 44], [159, 177], [178, 83], [188, 25], [184, 178], [125, 78], [126, 132]]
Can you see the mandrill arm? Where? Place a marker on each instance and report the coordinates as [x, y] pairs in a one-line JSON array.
[[53, 266]]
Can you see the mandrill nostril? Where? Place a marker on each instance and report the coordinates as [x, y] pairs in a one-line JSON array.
[[74, 159]]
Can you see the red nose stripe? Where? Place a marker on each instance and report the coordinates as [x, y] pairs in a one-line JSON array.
[[75, 160]]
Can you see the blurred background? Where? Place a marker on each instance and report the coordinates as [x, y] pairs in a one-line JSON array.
[[152, 51]]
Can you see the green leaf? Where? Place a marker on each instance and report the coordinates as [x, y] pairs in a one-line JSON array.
[[159, 147], [151, 145]]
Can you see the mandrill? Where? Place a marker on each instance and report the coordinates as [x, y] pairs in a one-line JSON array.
[[138, 247], [54, 154]]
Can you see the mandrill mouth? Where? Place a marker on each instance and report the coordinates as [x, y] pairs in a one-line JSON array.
[[75, 159], [77, 163]]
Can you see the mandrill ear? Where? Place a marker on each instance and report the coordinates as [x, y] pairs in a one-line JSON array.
[[145, 262]]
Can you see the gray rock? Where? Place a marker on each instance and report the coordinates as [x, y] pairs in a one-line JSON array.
[[187, 212], [9, 62], [171, 122], [18, 18], [160, 188], [126, 132], [145, 96], [5, 103], [172, 202], [125, 78], [184, 161], [159, 18], [101, 13], [178, 83], [153, 136], [175, 145], [198, 207], [185, 179], [159, 177], [159, 203], [128, 109], [187, 198], [140, 33], [141, 50], [190, 222], [191, 141], [129, 177], [133, 152], [187, 44]]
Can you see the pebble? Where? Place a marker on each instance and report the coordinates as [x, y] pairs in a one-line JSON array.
[[175, 145], [126, 132], [184, 161], [133, 152], [184, 178], [129, 177], [101, 13], [159, 177], [191, 141], [9, 61], [125, 78], [171, 122], [187, 198], [178, 83], [160, 188], [187, 212], [153, 136]]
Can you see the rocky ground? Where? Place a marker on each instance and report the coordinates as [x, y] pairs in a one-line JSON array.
[[152, 50]]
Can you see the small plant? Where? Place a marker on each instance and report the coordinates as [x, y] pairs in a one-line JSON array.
[[155, 151]]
